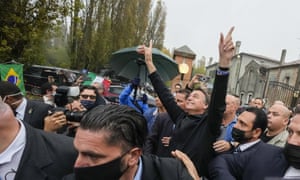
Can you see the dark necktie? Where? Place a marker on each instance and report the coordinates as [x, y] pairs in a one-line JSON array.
[[15, 113]]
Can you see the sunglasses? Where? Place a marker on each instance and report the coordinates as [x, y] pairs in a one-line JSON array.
[[85, 96]]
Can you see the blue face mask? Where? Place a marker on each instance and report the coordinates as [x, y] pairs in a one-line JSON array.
[[87, 104]]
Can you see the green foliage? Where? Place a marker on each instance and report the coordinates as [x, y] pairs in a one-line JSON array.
[[156, 25], [77, 33], [200, 70], [25, 26]]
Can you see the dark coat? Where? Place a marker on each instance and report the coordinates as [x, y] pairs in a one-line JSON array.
[[162, 127], [156, 168], [257, 162], [35, 112], [47, 156], [195, 134]]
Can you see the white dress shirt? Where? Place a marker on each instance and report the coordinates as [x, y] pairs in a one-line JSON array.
[[11, 156]]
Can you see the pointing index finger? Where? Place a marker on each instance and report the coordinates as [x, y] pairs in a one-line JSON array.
[[229, 32], [150, 45]]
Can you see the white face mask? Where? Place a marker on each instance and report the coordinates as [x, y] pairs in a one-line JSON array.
[[11, 95]]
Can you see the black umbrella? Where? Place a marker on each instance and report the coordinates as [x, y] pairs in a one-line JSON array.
[[129, 63]]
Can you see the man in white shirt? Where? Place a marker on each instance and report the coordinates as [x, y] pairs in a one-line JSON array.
[[28, 153]]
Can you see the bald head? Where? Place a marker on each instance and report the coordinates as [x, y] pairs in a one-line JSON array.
[[278, 118], [9, 126], [232, 104], [282, 109], [3, 107], [6, 113]]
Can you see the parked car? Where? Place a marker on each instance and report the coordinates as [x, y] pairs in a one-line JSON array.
[[115, 91], [36, 75]]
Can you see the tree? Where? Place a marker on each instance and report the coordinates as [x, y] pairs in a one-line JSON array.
[[33, 31], [25, 27], [156, 26]]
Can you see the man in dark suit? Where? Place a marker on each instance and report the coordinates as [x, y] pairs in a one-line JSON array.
[[31, 112], [158, 140], [109, 142], [29, 153], [252, 159]]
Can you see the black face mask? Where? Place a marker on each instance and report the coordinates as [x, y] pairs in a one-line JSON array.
[[108, 171], [239, 135], [292, 154]]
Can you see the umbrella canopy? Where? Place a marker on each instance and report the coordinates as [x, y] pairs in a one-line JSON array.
[[129, 63]]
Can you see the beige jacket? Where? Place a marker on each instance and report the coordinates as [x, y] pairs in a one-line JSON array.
[[280, 139]]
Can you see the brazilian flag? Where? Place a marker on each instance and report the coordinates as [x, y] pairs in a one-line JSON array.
[[14, 74]]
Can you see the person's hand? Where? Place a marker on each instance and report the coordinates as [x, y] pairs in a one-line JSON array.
[[73, 125], [226, 49], [221, 146], [194, 80], [187, 162], [144, 98], [147, 51], [78, 81], [165, 141], [135, 82], [75, 106], [55, 121]]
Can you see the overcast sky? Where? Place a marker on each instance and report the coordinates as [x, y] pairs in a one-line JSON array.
[[264, 27]]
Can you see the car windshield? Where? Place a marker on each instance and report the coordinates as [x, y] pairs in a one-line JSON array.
[[116, 90]]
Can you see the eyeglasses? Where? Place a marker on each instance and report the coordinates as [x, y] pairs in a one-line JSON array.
[[85, 96]]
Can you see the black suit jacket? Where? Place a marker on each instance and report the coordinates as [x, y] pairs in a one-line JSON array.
[[35, 112], [257, 162], [47, 156], [155, 168], [162, 127]]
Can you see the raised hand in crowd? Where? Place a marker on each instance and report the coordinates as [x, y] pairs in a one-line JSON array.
[[226, 49], [187, 162], [54, 121]]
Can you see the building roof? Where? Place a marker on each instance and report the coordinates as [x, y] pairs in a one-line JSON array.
[[185, 51], [293, 63], [260, 57]]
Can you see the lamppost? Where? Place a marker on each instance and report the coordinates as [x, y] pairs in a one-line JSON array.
[[295, 97], [183, 69]]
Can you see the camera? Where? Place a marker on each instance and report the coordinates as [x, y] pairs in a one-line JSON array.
[[204, 78], [62, 97]]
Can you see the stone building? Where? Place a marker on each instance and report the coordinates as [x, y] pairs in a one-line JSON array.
[[283, 83], [248, 75]]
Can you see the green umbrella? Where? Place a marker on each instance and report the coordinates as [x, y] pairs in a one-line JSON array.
[[130, 64]]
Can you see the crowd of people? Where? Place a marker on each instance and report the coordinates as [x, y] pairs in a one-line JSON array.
[[75, 133]]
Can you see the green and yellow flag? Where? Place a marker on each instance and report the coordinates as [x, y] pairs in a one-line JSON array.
[[14, 74]]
